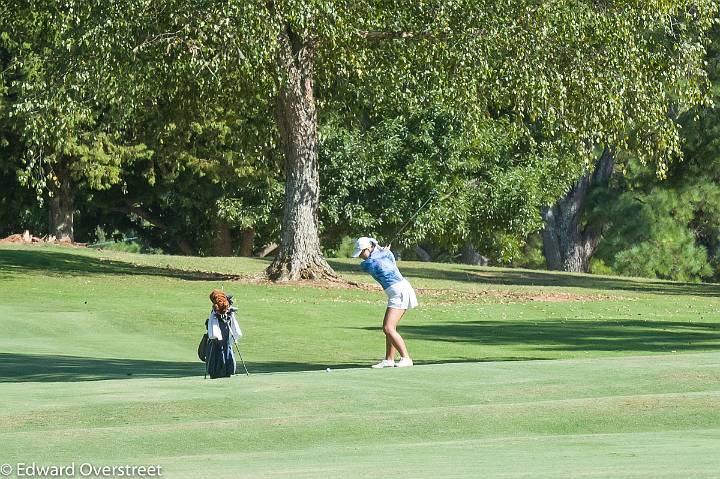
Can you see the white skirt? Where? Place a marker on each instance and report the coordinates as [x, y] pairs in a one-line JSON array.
[[401, 296]]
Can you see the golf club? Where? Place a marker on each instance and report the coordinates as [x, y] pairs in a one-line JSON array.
[[412, 218]]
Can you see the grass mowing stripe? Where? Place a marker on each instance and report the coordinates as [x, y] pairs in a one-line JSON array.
[[628, 455], [61, 418], [637, 455], [587, 416]]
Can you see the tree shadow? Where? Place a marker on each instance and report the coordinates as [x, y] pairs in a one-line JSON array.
[[59, 263], [50, 368], [56, 262], [507, 277], [343, 267], [557, 279], [558, 335], [17, 368], [283, 366], [22, 368]]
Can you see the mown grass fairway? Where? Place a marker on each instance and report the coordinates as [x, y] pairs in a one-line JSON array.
[[520, 374]]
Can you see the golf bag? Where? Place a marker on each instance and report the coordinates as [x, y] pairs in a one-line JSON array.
[[220, 359], [222, 333], [203, 346]]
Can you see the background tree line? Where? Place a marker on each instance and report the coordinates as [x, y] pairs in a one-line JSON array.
[[218, 128]]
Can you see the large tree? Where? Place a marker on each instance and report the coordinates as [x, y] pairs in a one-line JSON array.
[[63, 133], [668, 228], [545, 65], [662, 78]]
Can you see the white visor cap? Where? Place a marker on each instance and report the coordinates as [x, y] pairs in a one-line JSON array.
[[363, 243]]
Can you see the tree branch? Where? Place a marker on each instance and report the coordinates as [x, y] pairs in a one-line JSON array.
[[144, 215], [376, 35], [161, 37]]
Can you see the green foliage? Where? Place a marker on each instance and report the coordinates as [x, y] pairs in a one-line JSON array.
[[18, 210], [136, 139], [117, 241], [524, 92], [671, 229], [547, 64], [131, 247], [206, 169], [660, 231], [531, 253], [344, 249], [598, 266], [674, 257], [164, 113], [485, 187]]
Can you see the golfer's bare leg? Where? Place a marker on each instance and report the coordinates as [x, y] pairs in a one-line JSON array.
[[389, 349], [392, 318]]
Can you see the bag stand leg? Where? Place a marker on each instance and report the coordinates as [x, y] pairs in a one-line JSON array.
[[207, 357], [241, 359], [237, 348]]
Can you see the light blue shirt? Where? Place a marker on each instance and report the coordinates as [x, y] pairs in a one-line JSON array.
[[382, 267]]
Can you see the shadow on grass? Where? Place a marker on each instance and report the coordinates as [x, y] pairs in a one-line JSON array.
[[20, 368], [48, 368], [280, 366], [16, 261], [57, 368], [58, 262], [546, 278], [607, 335]]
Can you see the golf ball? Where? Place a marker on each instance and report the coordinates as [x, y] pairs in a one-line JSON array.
[[328, 369]]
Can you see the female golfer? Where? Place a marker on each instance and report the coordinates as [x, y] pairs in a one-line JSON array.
[[380, 263]]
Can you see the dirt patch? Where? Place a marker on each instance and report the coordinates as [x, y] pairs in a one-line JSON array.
[[447, 296], [339, 283], [453, 296], [694, 377], [27, 238]]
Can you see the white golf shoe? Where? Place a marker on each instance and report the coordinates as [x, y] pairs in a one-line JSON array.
[[385, 363], [404, 363]]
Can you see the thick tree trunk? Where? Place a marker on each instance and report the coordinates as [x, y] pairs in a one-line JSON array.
[[567, 244], [60, 221], [300, 256], [469, 255], [246, 242], [222, 246]]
